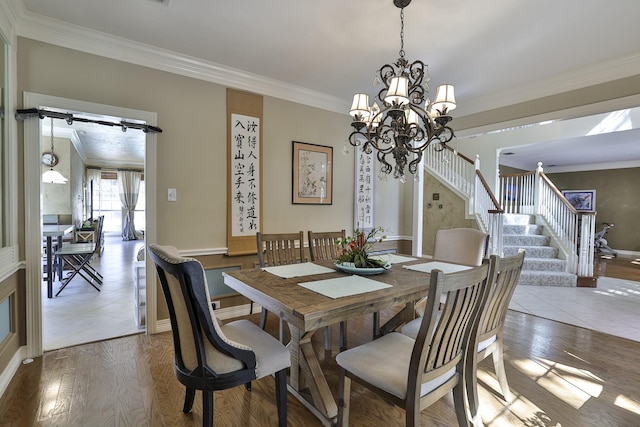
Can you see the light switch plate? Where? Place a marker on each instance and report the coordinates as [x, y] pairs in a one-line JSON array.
[[172, 195]]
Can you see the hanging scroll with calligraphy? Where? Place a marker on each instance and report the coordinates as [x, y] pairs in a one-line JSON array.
[[244, 171], [364, 189]]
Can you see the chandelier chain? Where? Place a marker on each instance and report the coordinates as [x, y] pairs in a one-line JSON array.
[[402, 32]]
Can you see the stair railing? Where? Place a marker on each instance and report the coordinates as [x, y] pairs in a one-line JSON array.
[[573, 231], [463, 176]]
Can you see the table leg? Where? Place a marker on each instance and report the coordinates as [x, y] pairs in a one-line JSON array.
[[405, 315], [50, 272], [59, 263], [306, 369]]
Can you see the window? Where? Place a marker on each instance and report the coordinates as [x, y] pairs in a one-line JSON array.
[[106, 201]]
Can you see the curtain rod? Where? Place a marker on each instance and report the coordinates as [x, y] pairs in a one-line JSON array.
[[69, 118]]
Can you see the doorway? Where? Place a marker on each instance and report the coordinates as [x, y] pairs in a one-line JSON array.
[[33, 189]]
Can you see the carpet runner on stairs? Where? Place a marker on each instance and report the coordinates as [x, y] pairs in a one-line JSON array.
[[542, 267]]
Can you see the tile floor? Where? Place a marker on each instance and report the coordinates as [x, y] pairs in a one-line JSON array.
[[80, 314], [612, 307]]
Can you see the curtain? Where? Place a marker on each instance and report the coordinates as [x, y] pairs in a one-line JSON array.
[[129, 185]]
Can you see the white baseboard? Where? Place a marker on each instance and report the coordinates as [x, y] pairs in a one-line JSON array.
[[11, 369]]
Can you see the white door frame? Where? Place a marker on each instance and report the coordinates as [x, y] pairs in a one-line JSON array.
[[33, 208]]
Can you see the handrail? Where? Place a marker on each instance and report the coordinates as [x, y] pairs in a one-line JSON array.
[[463, 175], [558, 192], [572, 231]]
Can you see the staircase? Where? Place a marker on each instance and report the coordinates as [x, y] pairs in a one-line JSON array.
[[542, 267]]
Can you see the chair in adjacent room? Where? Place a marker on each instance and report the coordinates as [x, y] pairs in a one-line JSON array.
[[327, 246], [79, 255], [278, 249], [414, 374], [466, 246], [209, 356]]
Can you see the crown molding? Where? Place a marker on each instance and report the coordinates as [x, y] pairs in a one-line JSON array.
[[71, 36], [47, 30]]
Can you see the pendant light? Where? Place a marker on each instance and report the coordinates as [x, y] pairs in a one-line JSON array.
[[53, 176]]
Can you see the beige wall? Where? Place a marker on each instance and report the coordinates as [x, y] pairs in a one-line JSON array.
[[192, 147], [191, 150], [449, 211], [617, 201]]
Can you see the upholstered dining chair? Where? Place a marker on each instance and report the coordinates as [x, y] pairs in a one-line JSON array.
[[414, 374], [458, 245], [326, 246], [461, 245], [278, 249], [209, 356]]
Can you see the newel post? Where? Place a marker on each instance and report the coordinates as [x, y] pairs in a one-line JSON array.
[[537, 189]]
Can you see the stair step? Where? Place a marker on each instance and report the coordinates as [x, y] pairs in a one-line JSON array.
[[518, 219], [546, 278], [525, 240], [522, 229], [531, 251], [544, 264]]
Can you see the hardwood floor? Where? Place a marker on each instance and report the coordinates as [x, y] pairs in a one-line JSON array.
[[560, 375]]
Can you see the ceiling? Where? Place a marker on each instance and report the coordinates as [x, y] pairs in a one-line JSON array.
[[496, 55]]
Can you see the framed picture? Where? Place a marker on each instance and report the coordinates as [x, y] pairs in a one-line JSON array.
[[312, 174], [581, 200]]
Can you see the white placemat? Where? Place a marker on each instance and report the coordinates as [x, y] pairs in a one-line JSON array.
[[344, 286], [393, 258], [437, 265], [298, 270]]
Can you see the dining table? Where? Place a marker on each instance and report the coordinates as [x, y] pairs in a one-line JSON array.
[[49, 231], [310, 296]]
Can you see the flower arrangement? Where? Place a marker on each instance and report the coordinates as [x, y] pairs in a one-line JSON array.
[[356, 249]]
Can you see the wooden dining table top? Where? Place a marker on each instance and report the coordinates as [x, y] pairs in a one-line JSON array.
[[309, 310]]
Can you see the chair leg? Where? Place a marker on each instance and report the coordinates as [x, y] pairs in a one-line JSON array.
[[188, 400], [207, 408], [327, 338], [263, 318], [344, 397], [459, 400], [498, 365], [281, 397], [343, 335]]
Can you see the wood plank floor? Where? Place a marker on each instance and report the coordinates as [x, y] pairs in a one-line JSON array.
[[560, 375]]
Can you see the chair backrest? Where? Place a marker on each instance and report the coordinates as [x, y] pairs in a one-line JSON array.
[[446, 329], [325, 246], [201, 348], [98, 233], [461, 245], [499, 294], [280, 249]]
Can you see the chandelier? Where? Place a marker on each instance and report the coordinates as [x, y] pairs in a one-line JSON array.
[[402, 121]]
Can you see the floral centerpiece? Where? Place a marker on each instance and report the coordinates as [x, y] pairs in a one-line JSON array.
[[356, 249]]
